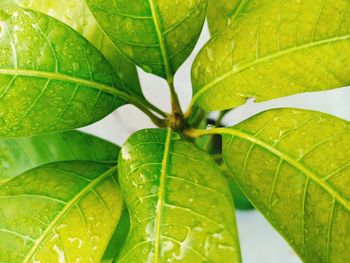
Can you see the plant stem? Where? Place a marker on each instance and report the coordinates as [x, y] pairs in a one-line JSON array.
[[195, 133], [217, 123], [175, 103], [188, 112]]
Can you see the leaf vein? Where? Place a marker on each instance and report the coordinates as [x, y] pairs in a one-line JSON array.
[[69, 205], [271, 56]]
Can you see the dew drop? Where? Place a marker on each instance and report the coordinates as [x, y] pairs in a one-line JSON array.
[[254, 193], [60, 253], [76, 67], [275, 201], [167, 246], [125, 154], [210, 53], [197, 12], [210, 126], [5, 164], [235, 68]]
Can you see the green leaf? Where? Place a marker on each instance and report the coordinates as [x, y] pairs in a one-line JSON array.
[[180, 205], [21, 154], [239, 198], [157, 35], [118, 239], [286, 48], [294, 167], [60, 212], [221, 13], [51, 78], [76, 14]]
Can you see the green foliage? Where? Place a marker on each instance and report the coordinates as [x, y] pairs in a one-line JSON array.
[[89, 28], [280, 49], [293, 165], [59, 222], [221, 13], [21, 154], [52, 76], [178, 199], [152, 35], [240, 200], [67, 64], [117, 240]]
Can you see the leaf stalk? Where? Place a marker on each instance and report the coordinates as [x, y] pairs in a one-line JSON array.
[[175, 102]]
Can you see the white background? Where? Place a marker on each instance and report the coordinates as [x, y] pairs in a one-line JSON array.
[[259, 241]]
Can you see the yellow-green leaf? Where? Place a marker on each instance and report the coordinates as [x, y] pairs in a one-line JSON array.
[[240, 200], [286, 48], [18, 155], [221, 13], [118, 239], [180, 205], [76, 14], [294, 167], [60, 212], [51, 78], [157, 35]]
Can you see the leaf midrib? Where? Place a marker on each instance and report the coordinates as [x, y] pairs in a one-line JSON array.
[[252, 63], [63, 77], [302, 168], [162, 45], [161, 195], [67, 208]]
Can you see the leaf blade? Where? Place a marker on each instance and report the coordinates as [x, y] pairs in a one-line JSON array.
[[280, 53], [156, 40], [21, 154], [222, 13], [79, 17], [57, 234], [120, 234], [54, 77], [292, 188], [241, 202], [160, 175]]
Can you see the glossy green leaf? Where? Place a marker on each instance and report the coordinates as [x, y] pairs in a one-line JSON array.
[[179, 202], [240, 200], [294, 167], [118, 239], [76, 14], [21, 154], [51, 78], [221, 13], [60, 212], [157, 35], [217, 14], [282, 49]]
